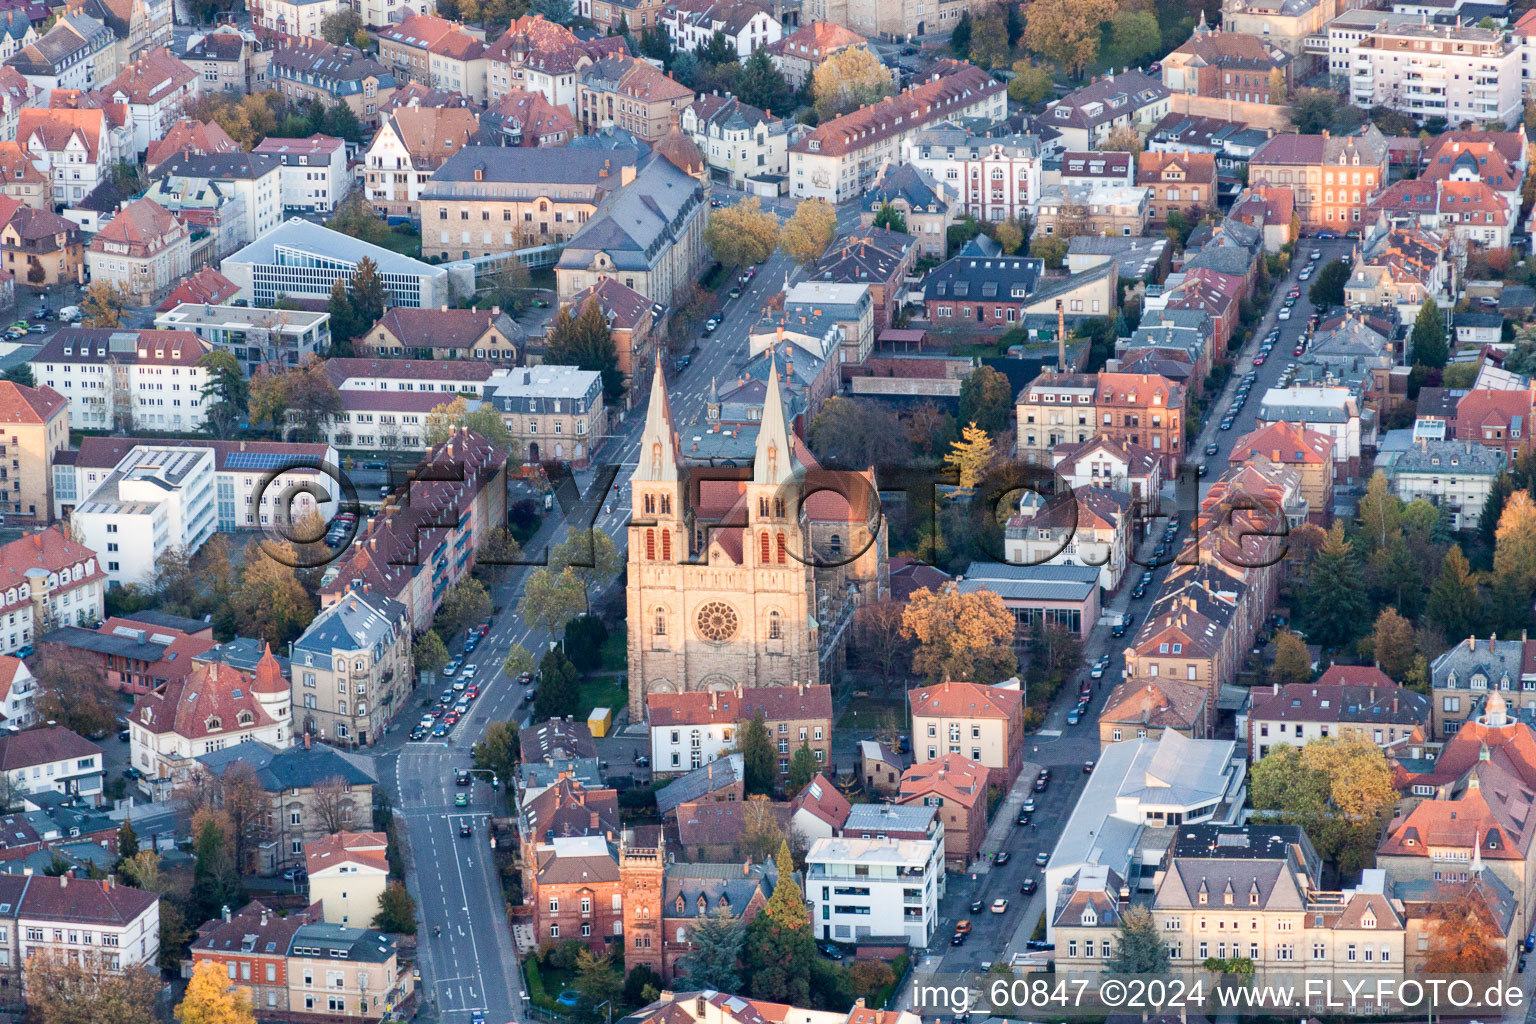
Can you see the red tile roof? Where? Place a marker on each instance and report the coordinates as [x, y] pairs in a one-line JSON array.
[[50, 550], [818, 41], [961, 85], [701, 707], [1288, 443], [189, 136], [211, 700], [954, 777], [1354, 675], [42, 746], [823, 800], [144, 226], [207, 286], [1162, 703], [965, 700], [361, 848], [54, 128], [21, 404], [83, 901], [1493, 815]]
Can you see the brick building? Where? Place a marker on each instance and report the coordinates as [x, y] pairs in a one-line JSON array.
[[957, 787], [1179, 181], [1145, 409], [1333, 176]]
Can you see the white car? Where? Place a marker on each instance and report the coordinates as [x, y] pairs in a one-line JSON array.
[[1284, 314]]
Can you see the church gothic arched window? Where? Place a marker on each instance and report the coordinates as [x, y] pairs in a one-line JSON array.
[[666, 545], [764, 546], [661, 622], [775, 626], [783, 548], [650, 545]]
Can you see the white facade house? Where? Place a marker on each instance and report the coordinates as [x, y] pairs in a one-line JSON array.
[[18, 694], [1460, 73], [256, 337], [380, 13], [72, 147], [53, 760], [68, 917], [303, 260], [1139, 794], [995, 179], [1328, 410], [157, 88], [294, 17], [49, 580], [1455, 475], [114, 379], [737, 140], [155, 500], [313, 177], [860, 888], [691, 24], [253, 179]]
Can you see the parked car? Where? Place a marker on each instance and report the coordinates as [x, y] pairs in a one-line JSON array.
[[1001, 857], [1028, 886], [1042, 859], [999, 906], [977, 905], [830, 951]]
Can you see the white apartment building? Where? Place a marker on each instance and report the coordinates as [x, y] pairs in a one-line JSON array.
[[47, 580], [252, 178], [83, 917], [1340, 36], [53, 760], [739, 141], [156, 499], [995, 178], [1328, 410], [352, 668], [294, 17], [313, 178], [116, 379], [859, 888], [451, 376], [256, 337], [842, 157], [1460, 73], [1457, 475], [746, 27], [18, 694]]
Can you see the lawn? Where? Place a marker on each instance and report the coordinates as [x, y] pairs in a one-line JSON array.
[[406, 243], [600, 692], [867, 716], [615, 653]]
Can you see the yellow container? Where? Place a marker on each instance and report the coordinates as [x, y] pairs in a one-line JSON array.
[[600, 721]]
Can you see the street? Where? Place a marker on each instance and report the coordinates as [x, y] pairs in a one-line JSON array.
[[472, 965]]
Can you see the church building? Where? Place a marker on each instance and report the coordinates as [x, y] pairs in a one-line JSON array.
[[744, 577]]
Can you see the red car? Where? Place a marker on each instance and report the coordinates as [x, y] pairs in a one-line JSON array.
[[471, 692], [1258, 360], [437, 711], [1299, 350], [451, 718]]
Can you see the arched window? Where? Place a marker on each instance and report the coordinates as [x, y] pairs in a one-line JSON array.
[[778, 507], [773, 462], [764, 546], [649, 503], [783, 548], [666, 545], [775, 626], [836, 544], [656, 459], [650, 545], [661, 622], [762, 507], [666, 504]]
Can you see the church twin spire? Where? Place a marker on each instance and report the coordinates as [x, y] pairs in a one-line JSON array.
[[658, 454]]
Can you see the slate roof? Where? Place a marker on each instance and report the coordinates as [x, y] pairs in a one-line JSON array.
[[1361, 704], [910, 184], [295, 767], [971, 279], [721, 886], [536, 165], [777, 703], [556, 738], [358, 622], [633, 224], [339, 70], [1449, 456], [715, 775], [1104, 100]]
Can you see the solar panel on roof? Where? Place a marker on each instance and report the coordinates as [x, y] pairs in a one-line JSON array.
[[266, 460]]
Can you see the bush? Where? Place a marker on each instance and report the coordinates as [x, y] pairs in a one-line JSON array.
[[536, 991], [523, 519], [584, 639]]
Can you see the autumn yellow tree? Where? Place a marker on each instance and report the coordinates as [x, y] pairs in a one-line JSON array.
[[970, 456], [1463, 936], [742, 234], [1009, 237], [960, 636], [270, 602], [103, 305], [211, 999], [1066, 32], [1124, 139], [847, 80], [1514, 546], [806, 235]]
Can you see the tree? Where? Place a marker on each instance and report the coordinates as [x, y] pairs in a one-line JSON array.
[[429, 653], [971, 456], [737, 236], [1133, 36], [762, 85], [716, 942], [960, 636], [397, 911], [142, 871], [211, 999], [1009, 236], [215, 879], [1336, 600], [656, 44], [551, 599], [268, 397], [780, 949], [757, 754], [242, 804], [64, 989], [960, 37], [127, 840], [1031, 84], [989, 38], [75, 693], [517, 661], [1140, 949], [1337, 789], [465, 604], [802, 767], [761, 834], [855, 433], [103, 305], [345, 328], [333, 804], [1381, 513], [1514, 552], [808, 232], [1392, 644], [1464, 936], [597, 982], [591, 556], [175, 936], [269, 600], [1313, 111], [367, 293], [558, 11], [1328, 289], [507, 287], [340, 28], [559, 691], [1121, 139], [21, 373], [357, 218], [1454, 605], [225, 395], [887, 217], [1066, 32], [585, 341], [986, 400], [309, 394], [1428, 338], [718, 50], [1292, 662], [877, 636], [1052, 249], [849, 79], [498, 750]]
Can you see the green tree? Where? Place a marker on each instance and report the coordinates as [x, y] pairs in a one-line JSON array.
[[1053, 248], [586, 341], [225, 395], [717, 51], [215, 880], [559, 688], [339, 29], [1009, 236], [342, 123], [1338, 790], [1428, 338], [986, 400], [498, 750], [780, 950], [591, 556], [1392, 644], [507, 287], [367, 293], [1336, 599], [1065, 32], [715, 951], [598, 983], [345, 328], [762, 85], [1454, 605], [656, 44], [1328, 289], [889, 218], [465, 604], [397, 911], [1139, 949], [757, 755], [429, 653], [849, 79], [1381, 513], [802, 767], [21, 373], [517, 661], [1032, 83], [1133, 36], [960, 37], [127, 840]]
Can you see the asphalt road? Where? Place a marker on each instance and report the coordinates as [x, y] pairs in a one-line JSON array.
[[472, 965]]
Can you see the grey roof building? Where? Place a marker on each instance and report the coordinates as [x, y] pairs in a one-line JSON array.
[[331, 942], [1135, 259], [727, 771], [507, 172], [303, 260], [1106, 100], [712, 886], [361, 622], [242, 653], [295, 767], [908, 184], [881, 820], [984, 279], [1031, 582]]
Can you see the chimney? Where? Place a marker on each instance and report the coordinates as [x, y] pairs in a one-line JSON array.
[[746, 866], [306, 741], [224, 913], [64, 880]]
